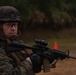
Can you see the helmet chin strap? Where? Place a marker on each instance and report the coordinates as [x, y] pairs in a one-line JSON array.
[[14, 37]]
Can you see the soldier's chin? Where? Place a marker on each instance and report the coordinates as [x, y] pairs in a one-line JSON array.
[[12, 37]]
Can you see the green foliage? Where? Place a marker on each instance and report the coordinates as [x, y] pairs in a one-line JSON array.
[[56, 13]]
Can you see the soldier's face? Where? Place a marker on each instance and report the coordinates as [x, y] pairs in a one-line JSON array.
[[10, 29]]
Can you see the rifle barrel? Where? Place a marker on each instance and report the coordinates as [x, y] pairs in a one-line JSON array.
[[72, 57]]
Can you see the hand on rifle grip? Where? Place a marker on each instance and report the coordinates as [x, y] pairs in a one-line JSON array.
[[15, 58]]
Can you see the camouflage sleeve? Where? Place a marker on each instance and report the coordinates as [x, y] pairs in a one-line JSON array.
[[6, 68]]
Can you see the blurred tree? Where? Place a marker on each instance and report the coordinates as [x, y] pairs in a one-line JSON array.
[[53, 14]]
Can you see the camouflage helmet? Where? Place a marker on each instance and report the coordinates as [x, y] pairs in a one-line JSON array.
[[9, 13]]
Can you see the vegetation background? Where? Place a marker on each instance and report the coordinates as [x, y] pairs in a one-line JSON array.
[[53, 15], [51, 20]]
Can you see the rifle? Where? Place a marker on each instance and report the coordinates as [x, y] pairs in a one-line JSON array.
[[41, 48]]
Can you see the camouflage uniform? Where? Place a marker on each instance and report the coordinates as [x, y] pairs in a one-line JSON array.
[[10, 14], [7, 68]]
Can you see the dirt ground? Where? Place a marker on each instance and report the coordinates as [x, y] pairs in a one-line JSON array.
[[64, 67]]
